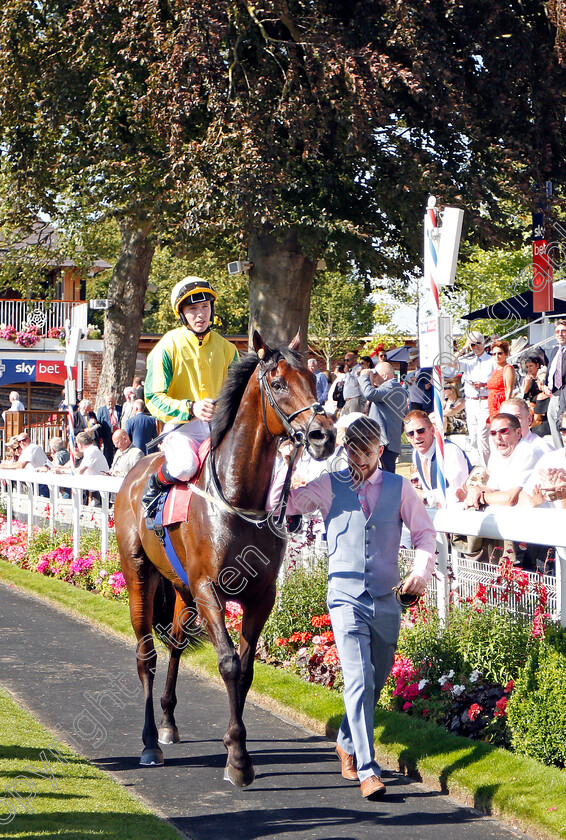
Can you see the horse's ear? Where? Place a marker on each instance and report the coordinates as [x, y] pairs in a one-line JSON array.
[[296, 343], [262, 349]]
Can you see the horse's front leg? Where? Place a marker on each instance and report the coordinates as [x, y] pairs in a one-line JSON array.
[[239, 767], [253, 621]]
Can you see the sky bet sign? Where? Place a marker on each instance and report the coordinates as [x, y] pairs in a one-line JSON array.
[[32, 370]]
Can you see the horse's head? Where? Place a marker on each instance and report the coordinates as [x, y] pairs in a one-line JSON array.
[[288, 394]]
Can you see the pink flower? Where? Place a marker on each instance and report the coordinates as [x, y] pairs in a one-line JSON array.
[[42, 567], [117, 582], [407, 706]]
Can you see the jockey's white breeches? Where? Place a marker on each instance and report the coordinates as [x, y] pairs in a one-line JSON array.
[[180, 447]]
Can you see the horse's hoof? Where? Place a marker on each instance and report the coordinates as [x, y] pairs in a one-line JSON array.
[[168, 735], [239, 778], [151, 757]]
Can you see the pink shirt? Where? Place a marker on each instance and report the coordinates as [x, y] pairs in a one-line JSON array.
[[317, 495]]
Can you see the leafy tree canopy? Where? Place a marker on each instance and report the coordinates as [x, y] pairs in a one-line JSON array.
[[340, 314]]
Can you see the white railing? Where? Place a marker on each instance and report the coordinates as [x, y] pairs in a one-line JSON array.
[[20, 489], [43, 313], [539, 526]]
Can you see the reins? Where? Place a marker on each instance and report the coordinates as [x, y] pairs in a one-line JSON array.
[[259, 518]]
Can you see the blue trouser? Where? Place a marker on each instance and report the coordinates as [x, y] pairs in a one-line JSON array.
[[366, 631]]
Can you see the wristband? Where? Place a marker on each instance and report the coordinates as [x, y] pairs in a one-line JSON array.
[[190, 411]]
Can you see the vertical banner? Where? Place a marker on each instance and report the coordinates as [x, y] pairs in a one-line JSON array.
[[431, 249], [543, 295]]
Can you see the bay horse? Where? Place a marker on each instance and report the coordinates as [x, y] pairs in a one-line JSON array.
[[230, 547]]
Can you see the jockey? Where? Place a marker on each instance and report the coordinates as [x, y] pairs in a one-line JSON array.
[[185, 372]]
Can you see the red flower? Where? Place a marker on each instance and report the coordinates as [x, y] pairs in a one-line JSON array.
[[320, 620], [407, 706], [501, 707], [474, 711], [281, 642], [509, 687]]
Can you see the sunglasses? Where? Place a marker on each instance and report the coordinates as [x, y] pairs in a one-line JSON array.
[[414, 432], [476, 344], [563, 430], [504, 431]]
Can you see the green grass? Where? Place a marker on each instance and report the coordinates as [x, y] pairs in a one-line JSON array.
[[47, 791], [494, 780]]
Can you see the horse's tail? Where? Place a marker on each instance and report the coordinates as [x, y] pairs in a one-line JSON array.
[[164, 611], [163, 605]]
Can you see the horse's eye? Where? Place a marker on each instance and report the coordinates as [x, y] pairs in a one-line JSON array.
[[278, 385]]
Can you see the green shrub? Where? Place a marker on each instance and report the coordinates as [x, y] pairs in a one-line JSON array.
[[492, 640], [537, 707], [301, 595]]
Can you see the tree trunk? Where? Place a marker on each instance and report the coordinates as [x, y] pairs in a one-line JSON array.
[[280, 288], [123, 318]]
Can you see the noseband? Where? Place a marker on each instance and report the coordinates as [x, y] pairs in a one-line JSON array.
[[296, 435]]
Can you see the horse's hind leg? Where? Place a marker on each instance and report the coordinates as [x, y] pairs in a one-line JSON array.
[[142, 582], [179, 636], [239, 769]]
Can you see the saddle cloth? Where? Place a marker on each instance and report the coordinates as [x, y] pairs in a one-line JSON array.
[[176, 508]]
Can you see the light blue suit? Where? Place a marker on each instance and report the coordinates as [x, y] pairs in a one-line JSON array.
[[363, 568]]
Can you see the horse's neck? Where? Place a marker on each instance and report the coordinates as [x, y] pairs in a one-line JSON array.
[[244, 463]]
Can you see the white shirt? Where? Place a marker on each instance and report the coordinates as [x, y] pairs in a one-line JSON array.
[[513, 471], [456, 471], [540, 445], [351, 384], [476, 369], [555, 460], [93, 461], [33, 456]]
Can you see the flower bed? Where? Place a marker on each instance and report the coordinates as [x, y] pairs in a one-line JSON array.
[[460, 676], [51, 554]]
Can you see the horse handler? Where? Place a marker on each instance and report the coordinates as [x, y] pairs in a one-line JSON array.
[[185, 372], [364, 508]]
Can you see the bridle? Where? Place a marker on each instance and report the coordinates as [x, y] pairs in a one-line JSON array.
[[296, 435]]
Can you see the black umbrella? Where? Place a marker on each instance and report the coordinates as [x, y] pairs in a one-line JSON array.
[[516, 307]]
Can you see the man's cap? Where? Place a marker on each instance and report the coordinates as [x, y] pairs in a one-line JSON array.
[[476, 337]]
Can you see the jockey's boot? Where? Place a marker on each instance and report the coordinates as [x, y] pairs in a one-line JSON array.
[[156, 484]]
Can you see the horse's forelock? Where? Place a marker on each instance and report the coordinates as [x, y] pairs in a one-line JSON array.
[[238, 377]]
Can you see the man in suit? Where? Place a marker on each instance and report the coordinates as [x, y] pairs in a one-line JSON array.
[[421, 436], [388, 406], [364, 509], [555, 381], [141, 427], [109, 418], [322, 383]]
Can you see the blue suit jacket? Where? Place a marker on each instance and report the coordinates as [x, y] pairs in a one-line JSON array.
[[388, 405]]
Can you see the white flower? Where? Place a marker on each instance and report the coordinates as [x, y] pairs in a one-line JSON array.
[[422, 684], [475, 675], [457, 690], [450, 675], [443, 679]]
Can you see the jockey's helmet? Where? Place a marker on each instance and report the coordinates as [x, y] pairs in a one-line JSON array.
[[191, 290]]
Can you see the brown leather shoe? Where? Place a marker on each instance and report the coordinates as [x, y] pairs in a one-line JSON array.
[[372, 788], [348, 763]]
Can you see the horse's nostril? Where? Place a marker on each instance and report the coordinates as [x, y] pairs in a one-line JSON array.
[[317, 436]]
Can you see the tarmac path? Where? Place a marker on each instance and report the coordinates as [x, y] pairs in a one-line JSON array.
[[82, 684]]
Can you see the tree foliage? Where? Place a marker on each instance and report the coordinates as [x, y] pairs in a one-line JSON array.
[[340, 314], [314, 128]]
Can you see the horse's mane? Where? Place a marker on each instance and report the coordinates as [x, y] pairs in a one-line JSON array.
[[233, 389]]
